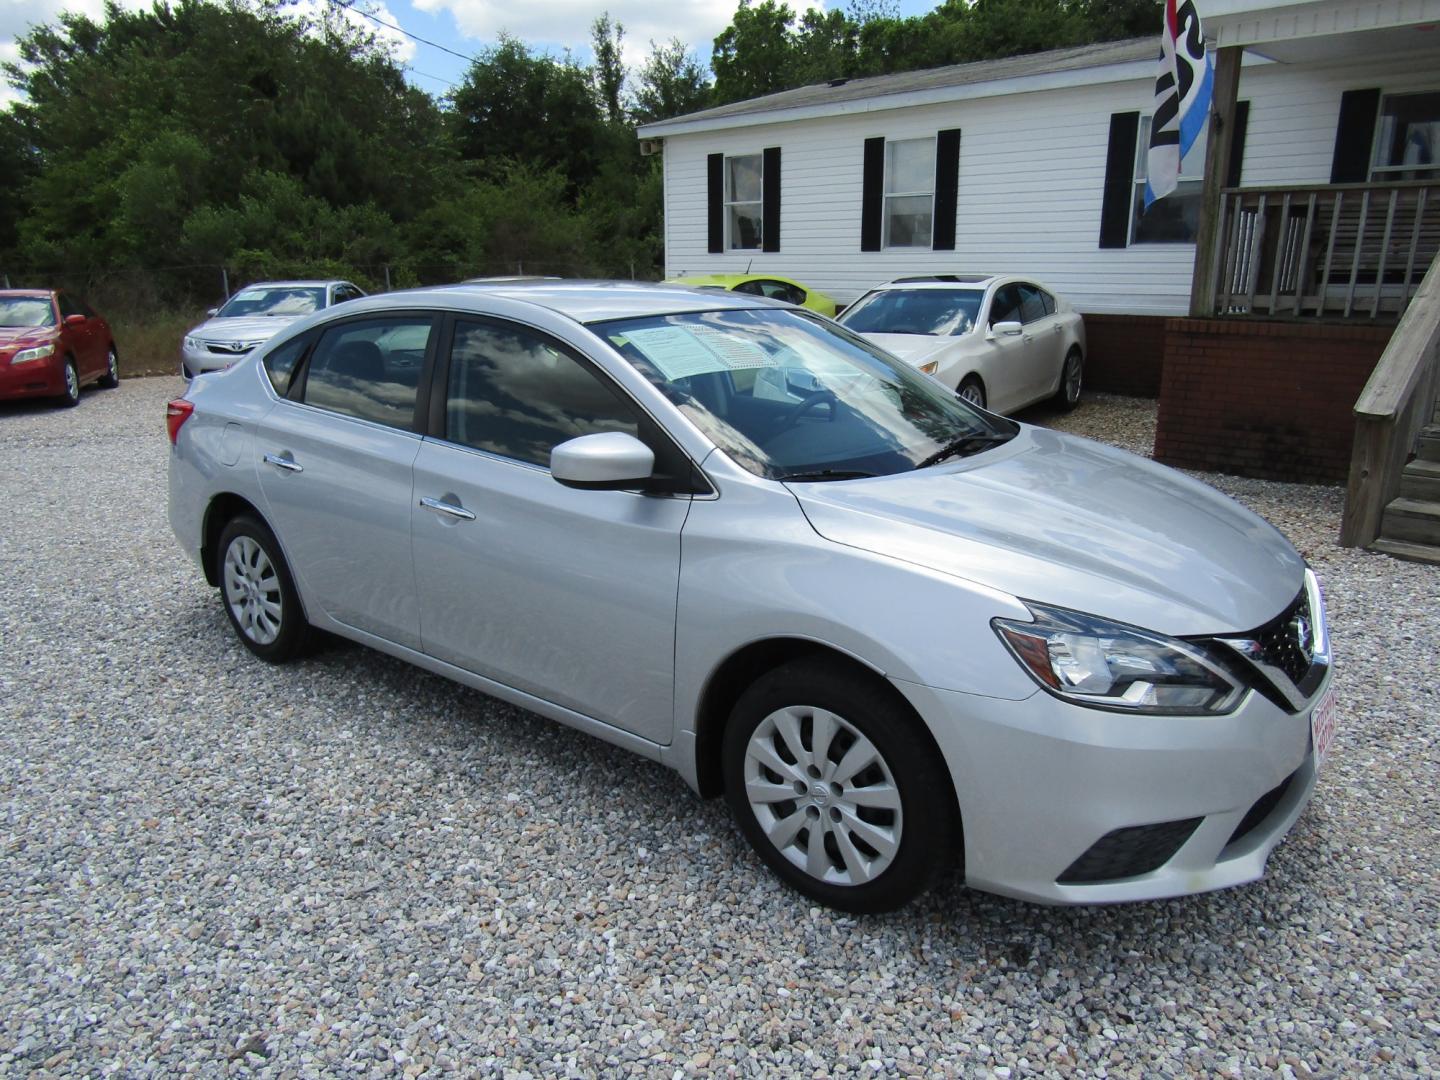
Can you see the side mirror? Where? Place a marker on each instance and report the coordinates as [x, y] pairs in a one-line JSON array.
[[1004, 329], [75, 320], [606, 461], [212, 311]]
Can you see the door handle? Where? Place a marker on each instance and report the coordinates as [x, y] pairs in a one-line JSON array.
[[288, 464], [1059, 329], [449, 509]]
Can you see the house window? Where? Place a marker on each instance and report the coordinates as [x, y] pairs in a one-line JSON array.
[[1408, 142], [744, 202], [909, 193], [1175, 219]]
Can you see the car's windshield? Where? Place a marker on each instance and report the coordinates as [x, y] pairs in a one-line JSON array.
[[26, 311], [790, 397], [286, 300], [938, 312]]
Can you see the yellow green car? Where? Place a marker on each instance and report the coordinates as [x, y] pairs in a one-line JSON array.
[[776, 288]]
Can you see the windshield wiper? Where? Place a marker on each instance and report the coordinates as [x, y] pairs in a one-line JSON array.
[[825, 474], [963, 447]]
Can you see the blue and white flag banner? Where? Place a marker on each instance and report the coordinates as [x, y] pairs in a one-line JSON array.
[[1182, 98]]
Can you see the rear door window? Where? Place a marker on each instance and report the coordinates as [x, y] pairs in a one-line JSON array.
[[370, 369]]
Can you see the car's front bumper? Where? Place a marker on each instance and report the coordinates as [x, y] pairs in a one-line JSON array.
[[198, 361], [1042, 783], [34, 378]]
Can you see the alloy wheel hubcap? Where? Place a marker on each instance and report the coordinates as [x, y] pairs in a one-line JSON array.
[[972, 394], [252, 589], [1072, 379], [72, 381], [823, 795], [111, 372]]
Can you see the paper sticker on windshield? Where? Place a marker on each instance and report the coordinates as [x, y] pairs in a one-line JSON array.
[[680, 352]]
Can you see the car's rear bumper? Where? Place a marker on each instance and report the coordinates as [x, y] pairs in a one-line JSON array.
[[35, 378], [1061, 803]]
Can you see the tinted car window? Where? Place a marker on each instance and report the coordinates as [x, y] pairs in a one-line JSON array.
[[1048, 301], [1006, 305], [914, 311], [1032, 306], [514, 393], [370, 369], [68, 307], [280, 363]]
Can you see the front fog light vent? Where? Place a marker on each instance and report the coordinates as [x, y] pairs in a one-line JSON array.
[[1129, 852]]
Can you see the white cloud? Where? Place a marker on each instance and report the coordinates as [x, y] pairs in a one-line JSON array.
[[566, 23]]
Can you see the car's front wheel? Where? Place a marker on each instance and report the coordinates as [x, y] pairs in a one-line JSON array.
[[70, 395], [837, 787], [971, 390], [259, 593]]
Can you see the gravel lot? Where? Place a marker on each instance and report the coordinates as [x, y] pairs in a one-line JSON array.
[[350, 867]]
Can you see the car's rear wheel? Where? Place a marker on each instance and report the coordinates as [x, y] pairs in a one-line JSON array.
[[837, 787], [70, 395], [259, 593], [971, 390], [1071, 378], [111, 379]]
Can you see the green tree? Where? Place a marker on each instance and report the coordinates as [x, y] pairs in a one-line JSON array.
[[756, 53], [609, 70], [671, 82]]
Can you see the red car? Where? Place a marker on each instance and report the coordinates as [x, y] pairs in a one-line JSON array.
[[51, 344]]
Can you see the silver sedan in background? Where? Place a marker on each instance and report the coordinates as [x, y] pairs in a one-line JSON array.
[[999, 341], [252, 317], [893, 630]]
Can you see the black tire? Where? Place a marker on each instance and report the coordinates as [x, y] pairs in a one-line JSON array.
[[1072, 377], [111, 379], [971, 389], [258, 593], [70, 396], [906, 764]]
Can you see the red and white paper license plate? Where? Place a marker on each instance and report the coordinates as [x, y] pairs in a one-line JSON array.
[[1322, 725]]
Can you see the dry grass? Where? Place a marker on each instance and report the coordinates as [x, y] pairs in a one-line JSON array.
[[149, 341]]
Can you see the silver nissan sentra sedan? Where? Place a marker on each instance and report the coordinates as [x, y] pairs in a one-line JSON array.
[[892, 629]]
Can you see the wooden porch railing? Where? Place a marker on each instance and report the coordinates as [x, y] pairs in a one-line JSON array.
[[1396, 403], [1328, 251]]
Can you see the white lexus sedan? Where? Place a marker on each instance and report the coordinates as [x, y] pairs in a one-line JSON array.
[[895, 631], [1001, 342]]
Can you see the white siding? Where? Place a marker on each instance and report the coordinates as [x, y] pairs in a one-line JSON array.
[[1032, 169]]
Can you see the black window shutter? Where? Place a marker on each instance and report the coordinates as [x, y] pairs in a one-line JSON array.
[[1354, 135], [947, 188], [1119, 180], [716, 207], [770, 196], [872, 198], [1237, 144]]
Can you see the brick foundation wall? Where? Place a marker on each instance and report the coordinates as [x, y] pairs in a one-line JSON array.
[[1265, 399], [1124, 354]]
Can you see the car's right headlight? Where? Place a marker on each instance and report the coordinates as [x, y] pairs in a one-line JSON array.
[[1108, 665], [192, 343]]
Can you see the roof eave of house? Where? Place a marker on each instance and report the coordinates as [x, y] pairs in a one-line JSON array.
[[1022, 84]]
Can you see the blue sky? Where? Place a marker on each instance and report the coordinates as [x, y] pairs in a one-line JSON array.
[[469, 26]]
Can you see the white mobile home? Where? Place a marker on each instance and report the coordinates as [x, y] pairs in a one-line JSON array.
[[1035, 164]]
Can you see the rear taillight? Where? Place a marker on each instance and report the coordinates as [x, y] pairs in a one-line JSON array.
[[176, 413]]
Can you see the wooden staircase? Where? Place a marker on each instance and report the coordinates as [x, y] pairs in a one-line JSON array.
[[1410, 528]]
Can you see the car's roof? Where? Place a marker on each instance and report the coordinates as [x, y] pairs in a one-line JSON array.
[[582, 301], [28, 294], [942, 281], [309, 284], [728, 279]]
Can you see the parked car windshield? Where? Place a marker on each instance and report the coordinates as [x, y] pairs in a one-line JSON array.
[[288, 301], [26, 311], [789, 397], [938, 312]]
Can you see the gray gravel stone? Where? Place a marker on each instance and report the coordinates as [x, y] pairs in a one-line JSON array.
[[349, 867]]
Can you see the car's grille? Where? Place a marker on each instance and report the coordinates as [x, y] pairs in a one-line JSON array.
[[1263, 808], [1128, 852], [228, 348], [1281, 644]]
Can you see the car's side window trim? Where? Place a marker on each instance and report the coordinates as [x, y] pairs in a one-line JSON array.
[[652, 432]]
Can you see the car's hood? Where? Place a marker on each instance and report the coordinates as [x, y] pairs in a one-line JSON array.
[[1072, 523], [257, 329], [914, 349], [25, 335]]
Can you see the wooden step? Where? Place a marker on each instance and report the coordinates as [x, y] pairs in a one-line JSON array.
[[1421, 480], [1404, 549], [1428, 447], [1415, 520]]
